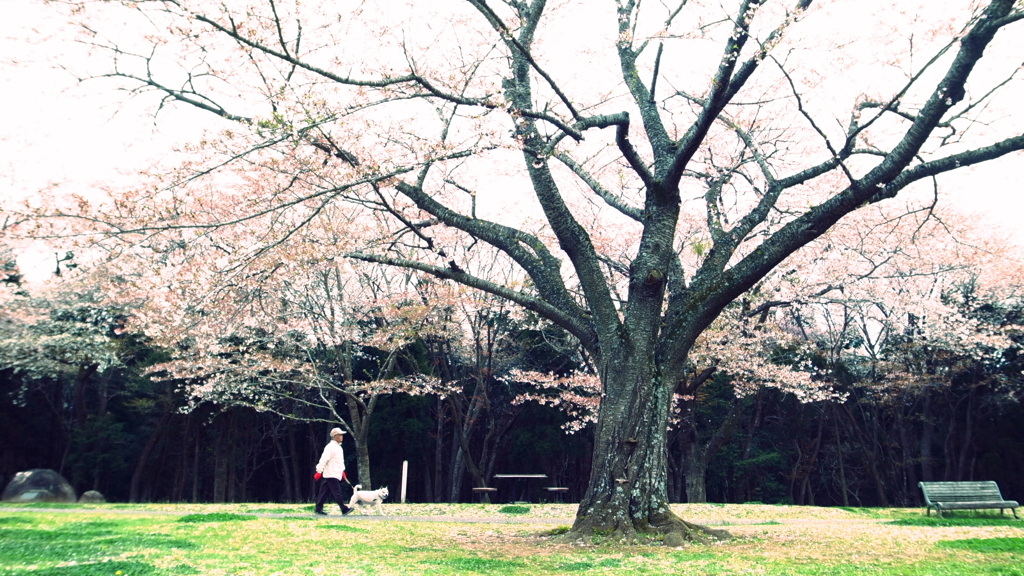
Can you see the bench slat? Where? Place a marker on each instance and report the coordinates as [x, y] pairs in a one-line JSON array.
[[979, 497], [978, 505]]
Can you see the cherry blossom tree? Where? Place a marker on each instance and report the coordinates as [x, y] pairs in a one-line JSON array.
[[907, 309], [882, 290], [64, 332], [641, 165], [316, 344]]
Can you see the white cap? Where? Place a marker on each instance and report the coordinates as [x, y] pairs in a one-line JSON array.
[[336, 431]]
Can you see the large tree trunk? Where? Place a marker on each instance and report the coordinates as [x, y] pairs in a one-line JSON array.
[[363, 461], [359, 413], [627, 488], [696, 475]]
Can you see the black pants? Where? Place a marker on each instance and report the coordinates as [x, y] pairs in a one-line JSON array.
[[340, 490]]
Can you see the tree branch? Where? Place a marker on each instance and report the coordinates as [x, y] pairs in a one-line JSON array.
[[575, 325]]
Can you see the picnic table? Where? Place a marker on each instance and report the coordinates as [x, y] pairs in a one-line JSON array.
[[520, 488]]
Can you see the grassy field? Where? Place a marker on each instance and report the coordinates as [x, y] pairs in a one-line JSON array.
[[263, 539]]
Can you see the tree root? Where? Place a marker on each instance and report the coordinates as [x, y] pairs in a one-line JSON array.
[[674, 531], [679, 531]]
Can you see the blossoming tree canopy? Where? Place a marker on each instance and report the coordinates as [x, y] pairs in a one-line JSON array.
[[638, 166]]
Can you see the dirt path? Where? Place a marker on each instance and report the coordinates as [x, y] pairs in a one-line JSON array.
[[338, 516], [724, 520]]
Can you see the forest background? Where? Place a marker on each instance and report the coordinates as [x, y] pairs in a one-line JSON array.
[[884, 353]]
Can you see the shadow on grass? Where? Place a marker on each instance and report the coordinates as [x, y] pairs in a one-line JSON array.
[[119, 568], [586, 565], [94, 569], [947, 522], [344, 528], [81, 542], [461, 564], [215, 517], [985, 545]]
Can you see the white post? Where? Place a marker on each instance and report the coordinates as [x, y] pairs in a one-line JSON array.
[[405, 476]]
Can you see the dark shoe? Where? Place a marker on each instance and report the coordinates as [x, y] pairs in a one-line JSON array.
[[345, 510], [319, 512]]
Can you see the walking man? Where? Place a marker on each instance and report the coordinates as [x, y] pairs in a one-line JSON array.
[[332, 468]]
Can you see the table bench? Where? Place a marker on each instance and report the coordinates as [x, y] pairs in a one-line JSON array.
[[556, 492], [520, 489], [965, 496], [484, 493]]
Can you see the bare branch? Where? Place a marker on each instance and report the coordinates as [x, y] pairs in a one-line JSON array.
[[726, 83], [595, 185], [571, 323], [510, 39]]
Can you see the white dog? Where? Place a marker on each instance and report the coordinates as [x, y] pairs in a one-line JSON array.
[[369, 498]]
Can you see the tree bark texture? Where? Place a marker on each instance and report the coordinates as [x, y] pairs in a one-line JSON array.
[[627, 491]]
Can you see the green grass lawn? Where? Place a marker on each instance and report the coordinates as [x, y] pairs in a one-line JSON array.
[[263, 539]]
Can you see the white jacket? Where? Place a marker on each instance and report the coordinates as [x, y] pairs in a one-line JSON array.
[[332, 461]]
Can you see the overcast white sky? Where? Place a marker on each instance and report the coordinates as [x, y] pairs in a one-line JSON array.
[[55, 130]]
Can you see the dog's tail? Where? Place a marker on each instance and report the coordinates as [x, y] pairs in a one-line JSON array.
[[357, 487]]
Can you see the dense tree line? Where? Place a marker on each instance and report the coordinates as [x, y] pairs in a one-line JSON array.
[[867, 451]]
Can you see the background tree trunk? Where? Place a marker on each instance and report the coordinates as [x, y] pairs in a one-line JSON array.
[[81, 381], [293, 457], [927, 437], [140, 465], [222, 456]]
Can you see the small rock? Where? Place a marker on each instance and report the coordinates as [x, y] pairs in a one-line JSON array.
[[92, 497]]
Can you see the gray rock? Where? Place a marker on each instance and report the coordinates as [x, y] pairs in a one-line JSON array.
[[39, 485], [91, 497]]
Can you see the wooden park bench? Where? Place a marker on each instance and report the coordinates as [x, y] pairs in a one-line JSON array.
[[484, 493], [965, 496]]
